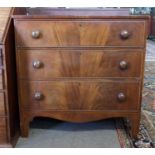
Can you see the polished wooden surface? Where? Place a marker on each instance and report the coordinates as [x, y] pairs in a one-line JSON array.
[[82, 95], [9, 113], [48, 64], [11, 85], [79, 33], [80, 66]]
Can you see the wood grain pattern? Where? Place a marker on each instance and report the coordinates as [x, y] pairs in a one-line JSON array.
[[82, 95], [78, 63], [79, 33], [79, 78]]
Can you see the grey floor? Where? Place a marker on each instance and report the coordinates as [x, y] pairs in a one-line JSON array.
[[48, 133]]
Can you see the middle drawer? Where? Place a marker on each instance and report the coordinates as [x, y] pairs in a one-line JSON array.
[[48, 64]]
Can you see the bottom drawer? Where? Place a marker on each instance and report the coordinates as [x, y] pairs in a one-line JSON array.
[[3, 130], [86, 95]]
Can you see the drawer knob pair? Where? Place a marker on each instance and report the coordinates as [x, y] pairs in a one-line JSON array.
[[124, 34], [123, 65], [36, 34], [39, 96], [121, 97], [37, 64]]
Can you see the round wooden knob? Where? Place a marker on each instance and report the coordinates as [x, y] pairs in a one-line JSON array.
[[35, 34], [38, 96], [124, 34], [37, 64], [121, 97], [123, 65]]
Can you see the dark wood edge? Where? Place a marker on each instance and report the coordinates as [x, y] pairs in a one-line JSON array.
[[15, 139], [11, 140], [23, 17]]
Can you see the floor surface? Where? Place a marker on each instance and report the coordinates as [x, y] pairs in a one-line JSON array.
[[48, 133]]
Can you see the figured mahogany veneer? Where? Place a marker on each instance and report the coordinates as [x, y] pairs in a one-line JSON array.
[[48, 64], [79, 33], [79, 95], [80, 66]]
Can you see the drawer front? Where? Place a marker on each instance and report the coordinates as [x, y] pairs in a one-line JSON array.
[[3, 130], [79, 33], [2, 104], [48, 64], [86, 95]]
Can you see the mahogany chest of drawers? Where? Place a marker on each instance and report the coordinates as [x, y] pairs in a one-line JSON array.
[[9, 114], [80, 65]]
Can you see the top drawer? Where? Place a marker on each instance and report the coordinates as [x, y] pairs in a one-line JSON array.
[[79, 33]]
